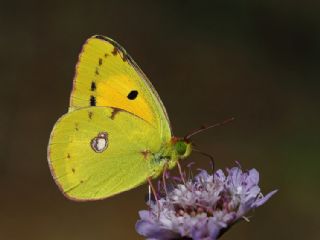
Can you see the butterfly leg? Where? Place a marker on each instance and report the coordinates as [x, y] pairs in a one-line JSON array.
[[149, 195], [164, 175], [181, 173], [154, 194]]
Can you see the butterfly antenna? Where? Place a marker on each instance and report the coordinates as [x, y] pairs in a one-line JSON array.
[[207, 155], [203, 128]]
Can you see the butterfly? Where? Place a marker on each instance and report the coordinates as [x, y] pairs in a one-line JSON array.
[[116, 134]]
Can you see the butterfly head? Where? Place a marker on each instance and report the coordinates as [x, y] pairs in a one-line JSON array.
[[182, 147]]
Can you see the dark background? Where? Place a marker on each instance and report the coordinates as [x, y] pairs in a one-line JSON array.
[[209, 60]]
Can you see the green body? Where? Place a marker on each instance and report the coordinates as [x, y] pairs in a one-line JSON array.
[[173, 151]]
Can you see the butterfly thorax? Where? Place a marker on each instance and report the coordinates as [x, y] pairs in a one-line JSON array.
[[170, 153]]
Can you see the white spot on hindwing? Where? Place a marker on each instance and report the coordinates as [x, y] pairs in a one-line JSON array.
[[100, 142]]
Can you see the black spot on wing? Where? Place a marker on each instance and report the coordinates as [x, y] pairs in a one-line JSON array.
[[125, 57], [93, 101], [114, 51], [132, 95], [90, 114], [100, 61], [117, 48], [114, 113], [93, 86]]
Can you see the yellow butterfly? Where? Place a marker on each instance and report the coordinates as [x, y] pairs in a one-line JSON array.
[[116, 134]]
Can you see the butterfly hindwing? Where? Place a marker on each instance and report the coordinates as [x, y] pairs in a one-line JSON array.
[[96, 152]]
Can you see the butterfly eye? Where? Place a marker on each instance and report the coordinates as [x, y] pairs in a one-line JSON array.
[[132, 95], [100, 143]]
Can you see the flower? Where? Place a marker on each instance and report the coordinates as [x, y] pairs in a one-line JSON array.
[[204, 207]]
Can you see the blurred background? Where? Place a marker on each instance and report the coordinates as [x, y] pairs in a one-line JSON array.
[[255, 60]]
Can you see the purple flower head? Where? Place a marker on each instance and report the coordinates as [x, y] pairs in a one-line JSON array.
[[204, 207]]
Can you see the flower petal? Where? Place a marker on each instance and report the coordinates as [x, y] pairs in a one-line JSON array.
[[145, 215], [253, 178], [261, 201], [219, 176], [204, 207], [214, 229], [234, 178], [154, 231]]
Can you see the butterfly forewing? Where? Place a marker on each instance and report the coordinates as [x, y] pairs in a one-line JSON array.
[[107, 76]]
